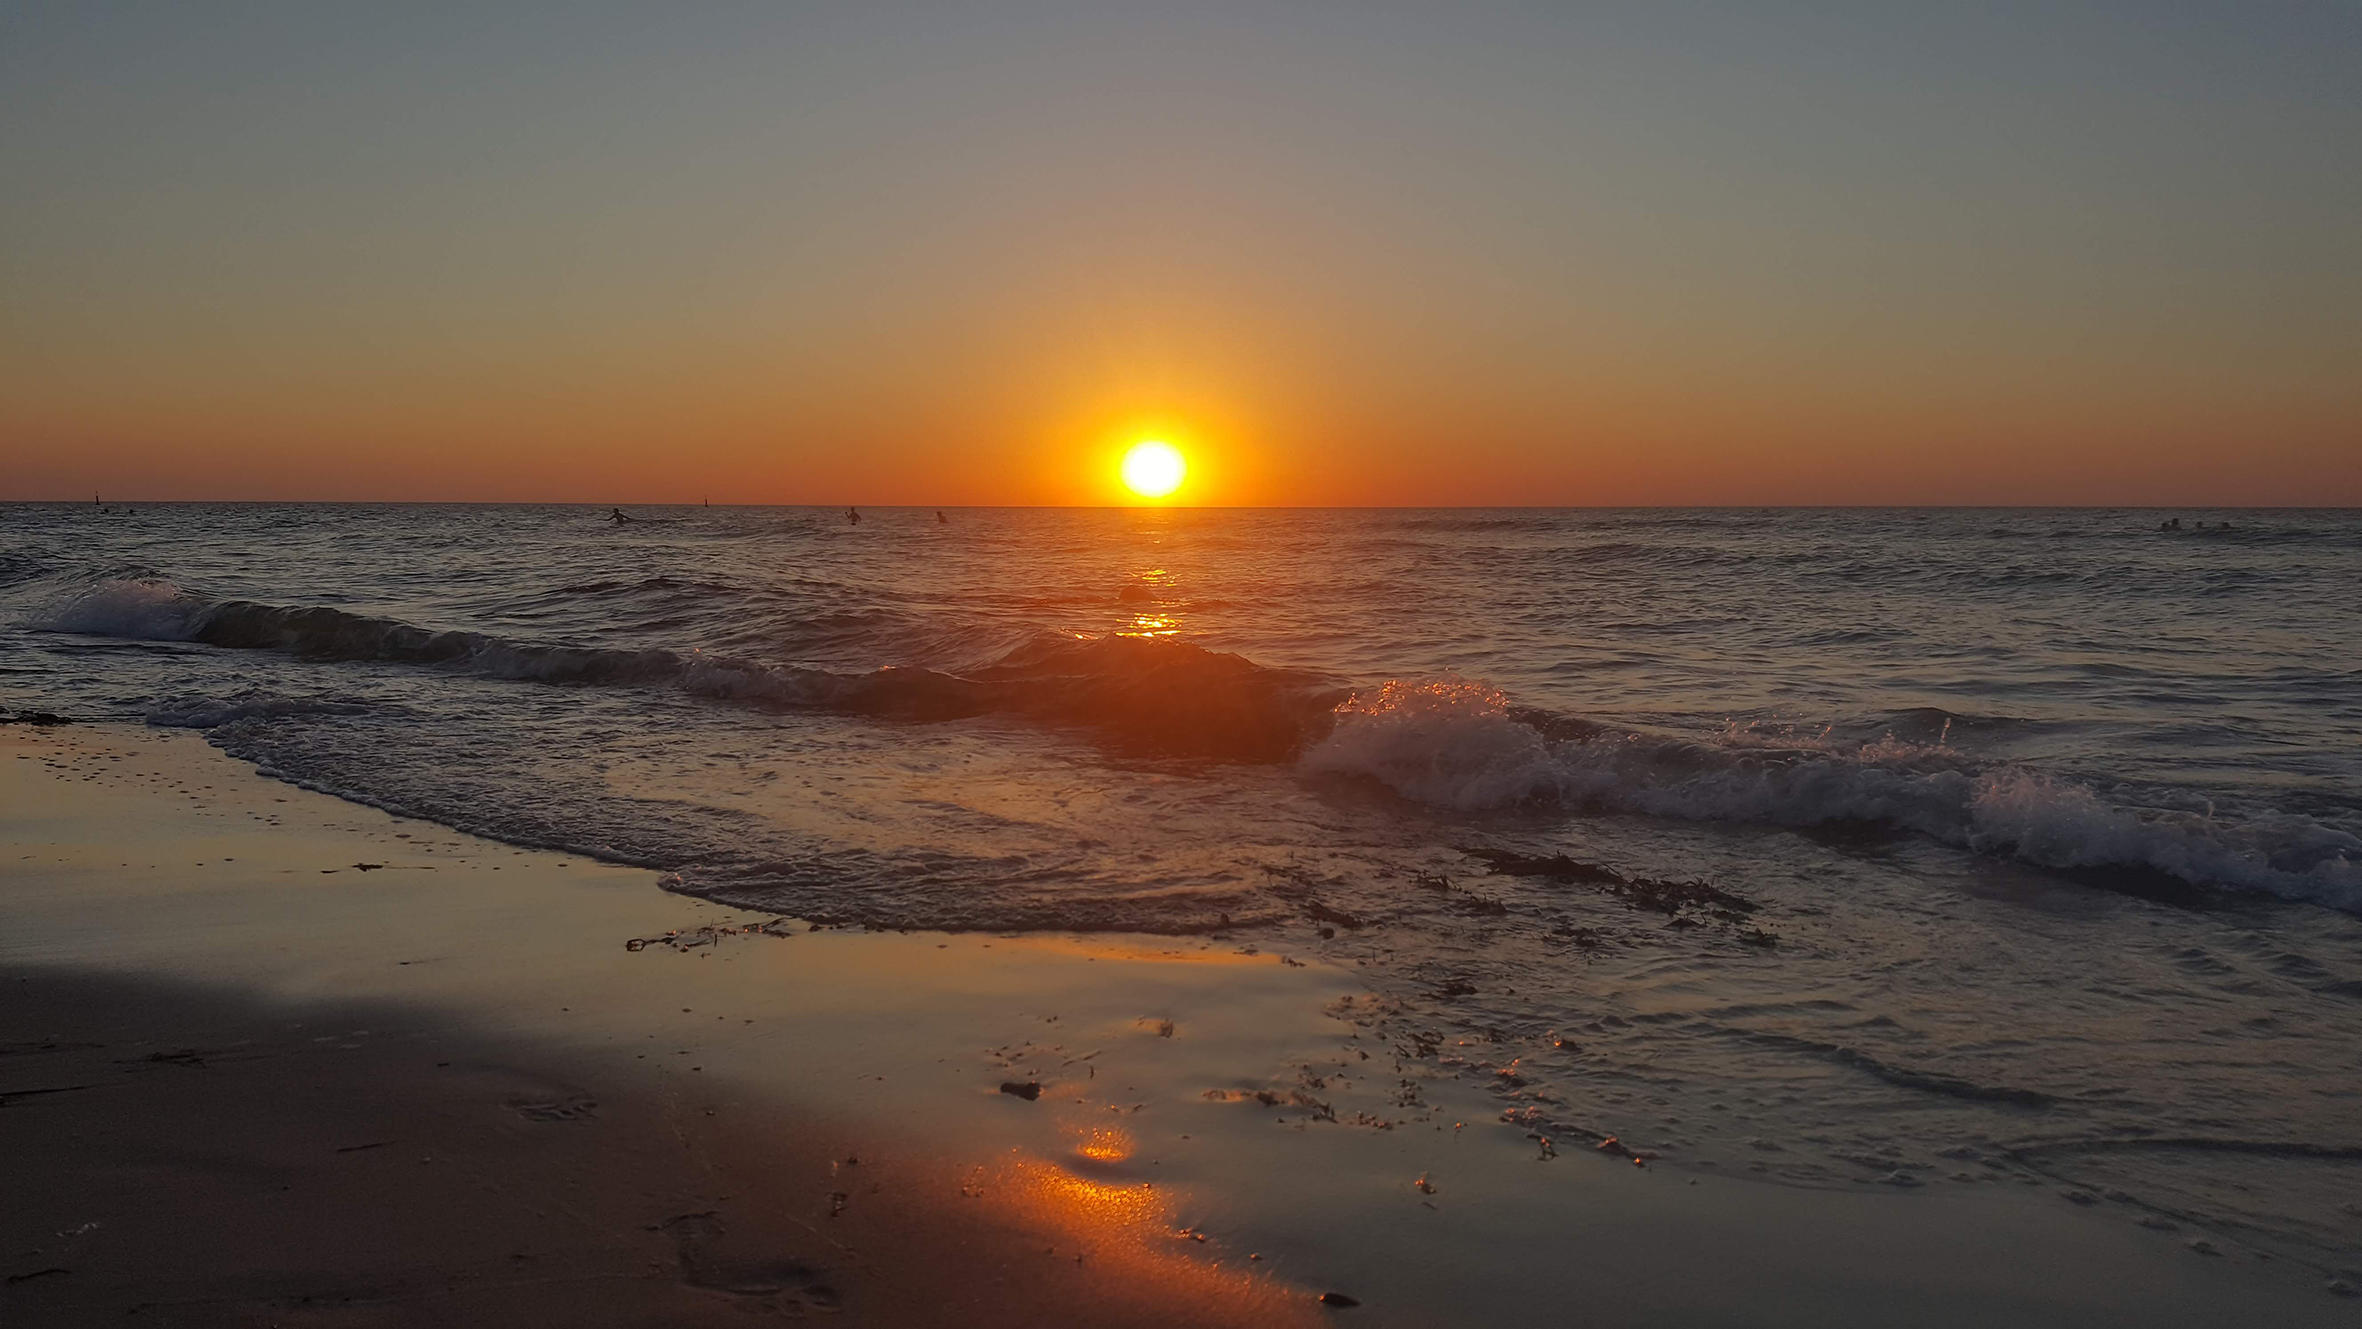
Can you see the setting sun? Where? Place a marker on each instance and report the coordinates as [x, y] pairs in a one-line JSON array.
[[1153, 469]]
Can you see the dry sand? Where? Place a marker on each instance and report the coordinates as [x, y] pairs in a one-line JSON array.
[[246, 1080]]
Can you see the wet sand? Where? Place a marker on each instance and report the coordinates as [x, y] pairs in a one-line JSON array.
[[270, 1058]]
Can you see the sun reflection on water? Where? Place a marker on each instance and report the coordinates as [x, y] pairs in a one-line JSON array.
[[1150, 588]]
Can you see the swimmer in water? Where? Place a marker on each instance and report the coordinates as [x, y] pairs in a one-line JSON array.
[[853, 516], [617, 516], [940, 519]]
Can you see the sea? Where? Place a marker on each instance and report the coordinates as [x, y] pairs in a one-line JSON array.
[[1838, 848]]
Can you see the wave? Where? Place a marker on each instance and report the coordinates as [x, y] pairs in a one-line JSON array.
[[1483, 522], [21, 565], [1153, 696], [1904, 1077], [1450, 743], [1458, 744], [193, 711], [139, 606]]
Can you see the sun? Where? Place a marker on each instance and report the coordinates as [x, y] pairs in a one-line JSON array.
[[1153, 469]]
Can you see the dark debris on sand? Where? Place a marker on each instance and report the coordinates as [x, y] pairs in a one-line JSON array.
[[692, 938], [1297, 885], [38, 1273], [1680, 901]]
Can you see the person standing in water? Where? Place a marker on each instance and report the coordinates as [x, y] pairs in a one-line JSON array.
[[852, 516]]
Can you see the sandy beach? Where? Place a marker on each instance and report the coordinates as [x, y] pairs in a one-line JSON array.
[[275, 1059], [1126, 664]]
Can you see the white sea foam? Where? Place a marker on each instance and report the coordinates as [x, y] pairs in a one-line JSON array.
[[1454, 743], [140, 608], [2060, 824]]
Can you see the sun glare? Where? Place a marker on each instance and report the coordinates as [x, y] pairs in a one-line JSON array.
[[1153, 469]]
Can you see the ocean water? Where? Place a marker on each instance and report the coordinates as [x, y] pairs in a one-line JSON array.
[[1847, 847]]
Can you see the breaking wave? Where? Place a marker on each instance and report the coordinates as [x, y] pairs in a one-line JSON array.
[[1455, 743], [141, 607], [1447, 742]]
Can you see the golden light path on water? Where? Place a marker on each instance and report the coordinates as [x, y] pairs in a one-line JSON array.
[[1162, 621]]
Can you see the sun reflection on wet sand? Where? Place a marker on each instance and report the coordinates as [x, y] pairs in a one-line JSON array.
[[1106, 1144], [1089, 1203], [1126, 1230]]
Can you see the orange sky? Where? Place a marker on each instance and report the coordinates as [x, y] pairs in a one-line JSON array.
[[1615, 255]]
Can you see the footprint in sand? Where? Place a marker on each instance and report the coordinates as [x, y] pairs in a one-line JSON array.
[[705, 1262]]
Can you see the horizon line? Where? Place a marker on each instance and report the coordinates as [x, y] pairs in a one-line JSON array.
[[101, 501]]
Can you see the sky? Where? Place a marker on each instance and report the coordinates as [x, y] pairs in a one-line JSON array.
[[1367, 253]]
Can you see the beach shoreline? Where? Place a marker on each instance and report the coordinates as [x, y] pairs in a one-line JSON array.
[[276, 1058]]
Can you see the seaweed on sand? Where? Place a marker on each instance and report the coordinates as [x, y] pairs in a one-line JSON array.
[[1655, 894]]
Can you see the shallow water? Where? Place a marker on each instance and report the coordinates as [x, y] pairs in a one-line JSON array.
[[2034, 838]]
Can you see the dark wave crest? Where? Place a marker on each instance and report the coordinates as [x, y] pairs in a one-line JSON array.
[[1155, 697]]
